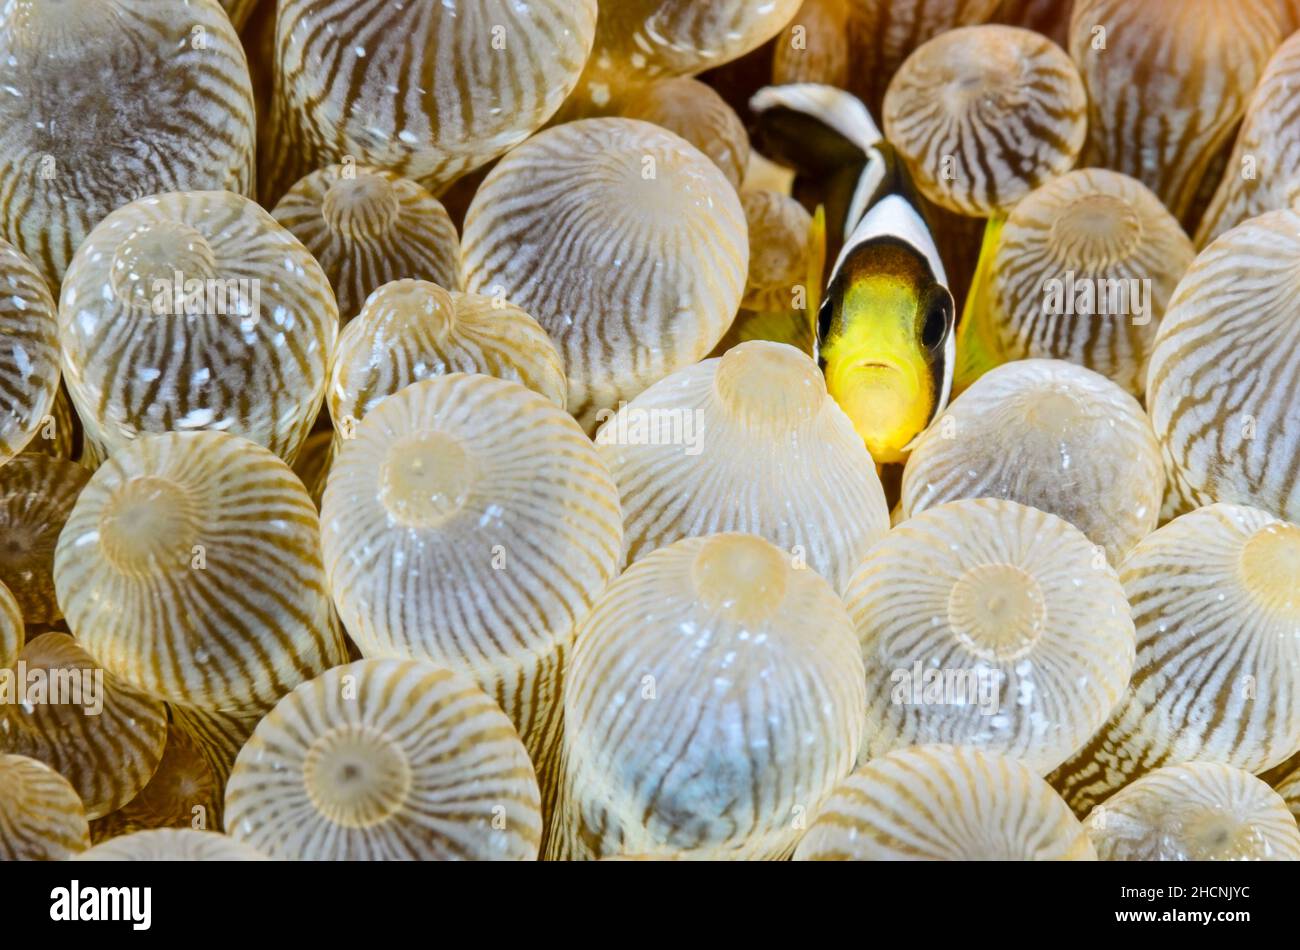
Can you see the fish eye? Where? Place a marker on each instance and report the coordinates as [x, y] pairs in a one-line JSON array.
[[938, 318]]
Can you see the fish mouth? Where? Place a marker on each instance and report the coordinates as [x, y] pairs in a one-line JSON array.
[[883, 398]]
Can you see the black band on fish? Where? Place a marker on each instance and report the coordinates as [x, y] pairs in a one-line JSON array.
[[829, 138], [887, 302], [839, 156]]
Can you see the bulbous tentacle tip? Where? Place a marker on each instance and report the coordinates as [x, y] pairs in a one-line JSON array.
[[760, 381], [426, 478], [1201, 811], [983, 115], [1270, 566], [741, 575], [362, 206]]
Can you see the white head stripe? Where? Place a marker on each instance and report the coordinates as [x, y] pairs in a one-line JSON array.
[[894, 216], [868, 185], [840, 110]]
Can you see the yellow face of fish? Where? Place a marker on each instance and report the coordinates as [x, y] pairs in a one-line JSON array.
[[884, 335]]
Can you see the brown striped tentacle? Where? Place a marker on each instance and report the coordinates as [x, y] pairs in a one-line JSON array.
[[989, 623], [366, 227], [112, 100], [623, 240], [1263, 173], [1083, 272], [714, 698], [641, 40], [1217, 679], [781, 255], [102, 735], [780, 247], [1225, 372], [191, 568], [945, 803], [1168, 81], [983, 115], [698, 114], [1197, 812], [471, 523], [1083, 450], [29, 352], [427, 90], [41, 817], [196, 310], [386, 760], [411, 330], [746, 442]]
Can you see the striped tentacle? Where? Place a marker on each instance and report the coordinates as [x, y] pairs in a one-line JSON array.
[[386, 760], [427, 90], [1217, 677], [105, 737], [1224, 380], [673, 743], [366, 227], [190, 567], [623, 240], [945, 803], [115, 99], [470, 522], [1168, 81], [196, 310], [41, 817]]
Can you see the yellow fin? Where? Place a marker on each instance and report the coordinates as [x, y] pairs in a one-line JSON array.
[[977, 350], [816, 273]]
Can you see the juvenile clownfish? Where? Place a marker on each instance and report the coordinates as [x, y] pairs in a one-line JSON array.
[[883, 333]]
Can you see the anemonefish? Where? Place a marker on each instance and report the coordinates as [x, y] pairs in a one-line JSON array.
[[884, 329]]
